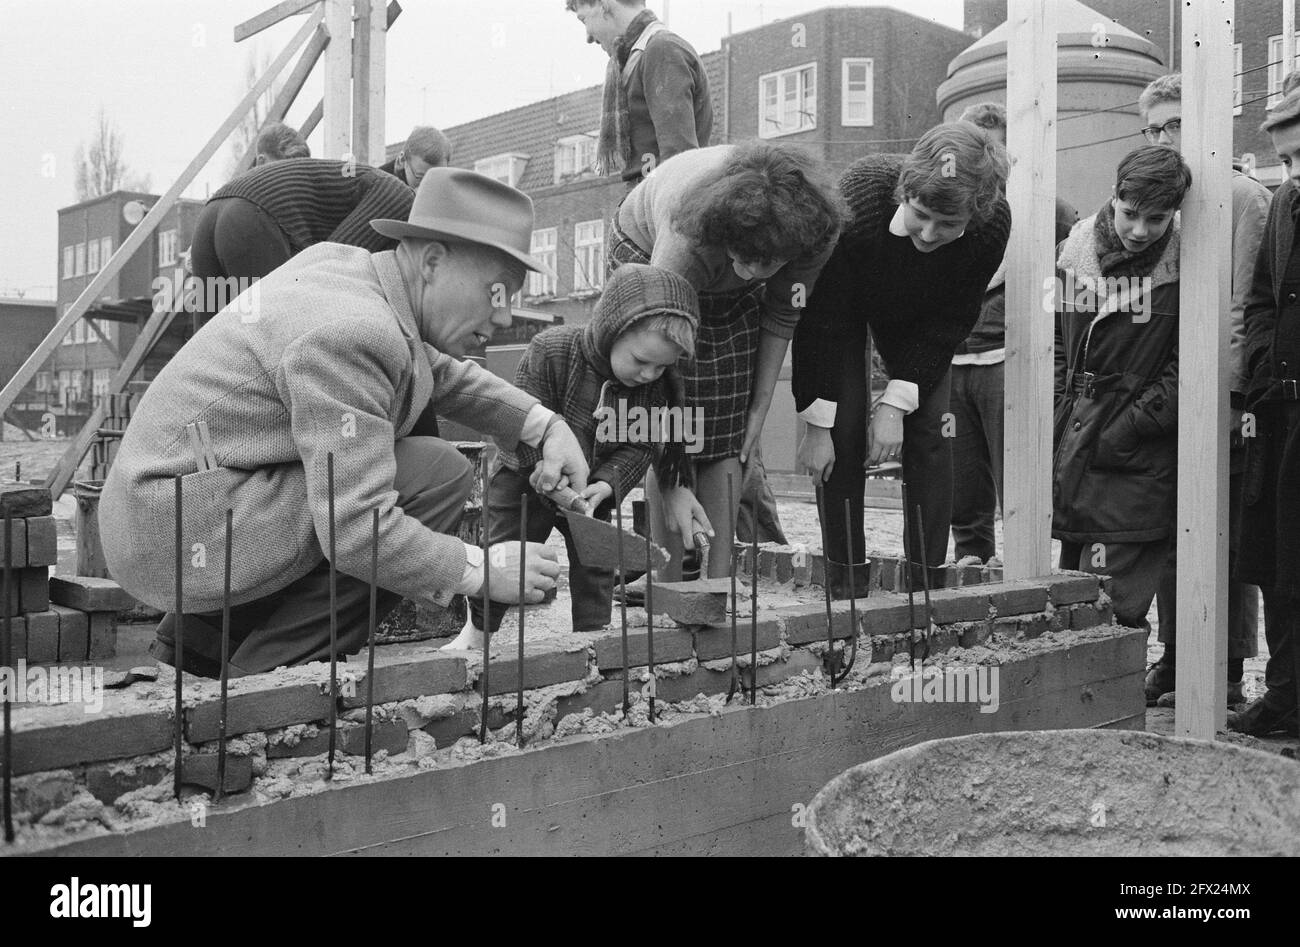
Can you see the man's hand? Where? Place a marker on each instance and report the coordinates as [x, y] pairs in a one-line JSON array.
[[562, 464], [885, 435], [596, 494], [817, 452], [753, 430], [684, 515], [540, 572]]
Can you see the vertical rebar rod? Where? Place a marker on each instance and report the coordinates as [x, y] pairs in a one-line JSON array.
[[925, 580], [370, 637], [6, 658], [484, 524], [753, 609], [334, 627], [826, 577], [731, 571], [179, 652], [225, 659], [622, 579], [523, 558], [649, 604], [853, 575], [911, 594]]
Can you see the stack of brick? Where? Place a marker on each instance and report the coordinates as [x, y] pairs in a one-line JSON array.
[[48, 623]]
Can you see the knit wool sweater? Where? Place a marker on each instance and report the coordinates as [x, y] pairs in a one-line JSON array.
[[918, 306], [314, 200]]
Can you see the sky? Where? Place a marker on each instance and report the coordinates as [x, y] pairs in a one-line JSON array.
[[168, 72]]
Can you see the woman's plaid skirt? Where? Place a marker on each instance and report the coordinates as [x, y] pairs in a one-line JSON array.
[[721, 379]]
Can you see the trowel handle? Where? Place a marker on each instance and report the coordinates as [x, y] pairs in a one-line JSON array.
[[567, 499]]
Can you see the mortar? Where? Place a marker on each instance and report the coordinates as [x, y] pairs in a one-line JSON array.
[[1062, 792]]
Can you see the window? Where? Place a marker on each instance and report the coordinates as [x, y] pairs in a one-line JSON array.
[[42, 381], [167, 241], [92, 257], [105, 250], [79, 331], [80, 260], [787, 101], [65, 386], [1277, 69], [543, 247], [68, 271], [858, 85], [574, 156], [1236, 79], [99, 382], [507, 169], [589, 255]]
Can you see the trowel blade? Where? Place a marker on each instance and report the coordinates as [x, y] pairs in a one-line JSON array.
[[597, 545]]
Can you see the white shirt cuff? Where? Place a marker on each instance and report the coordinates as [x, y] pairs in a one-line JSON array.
[[903, 395], [535, 425], [471, 580], [821, 413]]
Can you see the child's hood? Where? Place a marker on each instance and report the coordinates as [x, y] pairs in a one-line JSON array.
[[634, 292]]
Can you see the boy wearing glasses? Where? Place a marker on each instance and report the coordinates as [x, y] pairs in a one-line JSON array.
[[1161, 108]]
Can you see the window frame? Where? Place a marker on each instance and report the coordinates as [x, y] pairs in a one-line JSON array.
[[69, 265], [582, 281], [845, 65], [539, 284], [765, 128], [79, 253], [1277, 73]]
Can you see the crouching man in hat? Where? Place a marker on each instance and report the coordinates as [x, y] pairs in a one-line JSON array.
[[336, 356]]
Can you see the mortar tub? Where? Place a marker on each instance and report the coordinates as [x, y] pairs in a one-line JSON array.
[[1062, 792]]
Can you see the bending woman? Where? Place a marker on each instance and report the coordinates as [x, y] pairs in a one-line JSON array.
[[750, 227], [928, 232]]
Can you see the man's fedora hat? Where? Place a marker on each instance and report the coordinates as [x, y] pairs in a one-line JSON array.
[[453, 203]]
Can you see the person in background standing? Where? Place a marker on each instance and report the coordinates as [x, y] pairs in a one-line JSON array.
[[978, 390], [426, 147], [1161, 108]]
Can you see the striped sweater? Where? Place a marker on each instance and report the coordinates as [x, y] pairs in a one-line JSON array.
[[315, 200]]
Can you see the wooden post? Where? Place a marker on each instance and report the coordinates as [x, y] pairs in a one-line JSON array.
[[1027, 452], [1203, 370], [1288, 36], [338, 80], [361, 81], [376, 100]]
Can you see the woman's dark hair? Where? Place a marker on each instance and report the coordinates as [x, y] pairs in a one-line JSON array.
[[768, 202], [1153, 177], [955, 168]]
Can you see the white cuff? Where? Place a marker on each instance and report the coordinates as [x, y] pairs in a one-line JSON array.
[[471, 580], [821, 413], [903, 395], [535, 425]]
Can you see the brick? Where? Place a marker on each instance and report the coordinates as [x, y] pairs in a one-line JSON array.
[[42, 637], [200, 769], [103, 635], [971, 575], [74, 633], [1018, 598], [42, 541], [1083, 617], [700, 681], [1033, 626], [66, 735], [993, 573], [701, 602], [543, 666], [887, 568], [89, 594], [975, 634], [1071, 588], [889, 614], [599, 698], [29, 590], [671, 644], [107, 782], [406, 677], [797, 663], [389, 734], [817, 570], [448, 730], [1105, 614], [259, 702], [954, 605], [17, 637], [714, 642], [805, 624], [24, 500], [597, 544], [951, 575], [18, 544]]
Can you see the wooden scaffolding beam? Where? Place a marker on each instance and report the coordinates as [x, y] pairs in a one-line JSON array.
[[1205, 263], [1031, 126]]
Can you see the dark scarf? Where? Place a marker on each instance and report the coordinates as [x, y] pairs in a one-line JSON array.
[[1111, 255], [614, 148]]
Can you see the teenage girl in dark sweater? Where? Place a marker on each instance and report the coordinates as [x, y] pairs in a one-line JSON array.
[[928, 232]]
